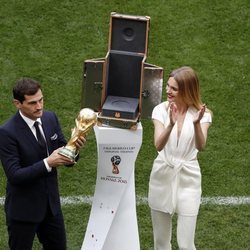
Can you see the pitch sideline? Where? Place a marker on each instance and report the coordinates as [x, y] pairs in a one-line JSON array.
[[216, 200]]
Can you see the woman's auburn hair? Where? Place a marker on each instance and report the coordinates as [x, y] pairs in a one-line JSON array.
[[189, 86]]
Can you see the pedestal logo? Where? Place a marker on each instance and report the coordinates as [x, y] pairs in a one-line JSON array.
[[116, 159]]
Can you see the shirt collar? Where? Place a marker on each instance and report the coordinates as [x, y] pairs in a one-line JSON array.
[[29, 121]]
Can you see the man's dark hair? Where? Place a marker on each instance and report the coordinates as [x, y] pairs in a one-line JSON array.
[[25, 86]]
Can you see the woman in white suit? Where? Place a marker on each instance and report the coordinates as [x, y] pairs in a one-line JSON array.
[[181, 124]]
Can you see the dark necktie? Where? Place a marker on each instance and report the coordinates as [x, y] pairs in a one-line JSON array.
[[41, 140]]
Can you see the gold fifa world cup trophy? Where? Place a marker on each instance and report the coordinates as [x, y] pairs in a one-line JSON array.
[[85, 120]]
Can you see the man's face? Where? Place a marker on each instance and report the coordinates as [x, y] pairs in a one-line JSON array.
[[32, 106]]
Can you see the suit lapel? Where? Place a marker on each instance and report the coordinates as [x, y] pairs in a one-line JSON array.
[[47, 131], [24, 131]]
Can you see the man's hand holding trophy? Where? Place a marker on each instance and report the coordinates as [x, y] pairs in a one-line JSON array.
[[85, 121]]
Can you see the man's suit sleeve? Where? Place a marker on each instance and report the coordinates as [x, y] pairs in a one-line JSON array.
[[15, 165], [19, 150]]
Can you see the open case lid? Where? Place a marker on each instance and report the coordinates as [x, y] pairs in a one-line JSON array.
[[129, 33]]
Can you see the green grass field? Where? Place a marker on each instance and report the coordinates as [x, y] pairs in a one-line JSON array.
[[49, 40]]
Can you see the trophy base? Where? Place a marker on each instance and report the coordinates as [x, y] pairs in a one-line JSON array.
[[67, 153]]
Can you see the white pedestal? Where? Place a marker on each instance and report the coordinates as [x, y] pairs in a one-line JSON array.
[[113, 222]]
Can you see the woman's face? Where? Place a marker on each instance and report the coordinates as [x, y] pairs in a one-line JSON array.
[[172, 90]]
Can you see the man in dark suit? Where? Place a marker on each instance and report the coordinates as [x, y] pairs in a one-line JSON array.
[[32, 203]]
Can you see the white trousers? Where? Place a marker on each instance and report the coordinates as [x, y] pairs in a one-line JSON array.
[[162, 230]]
